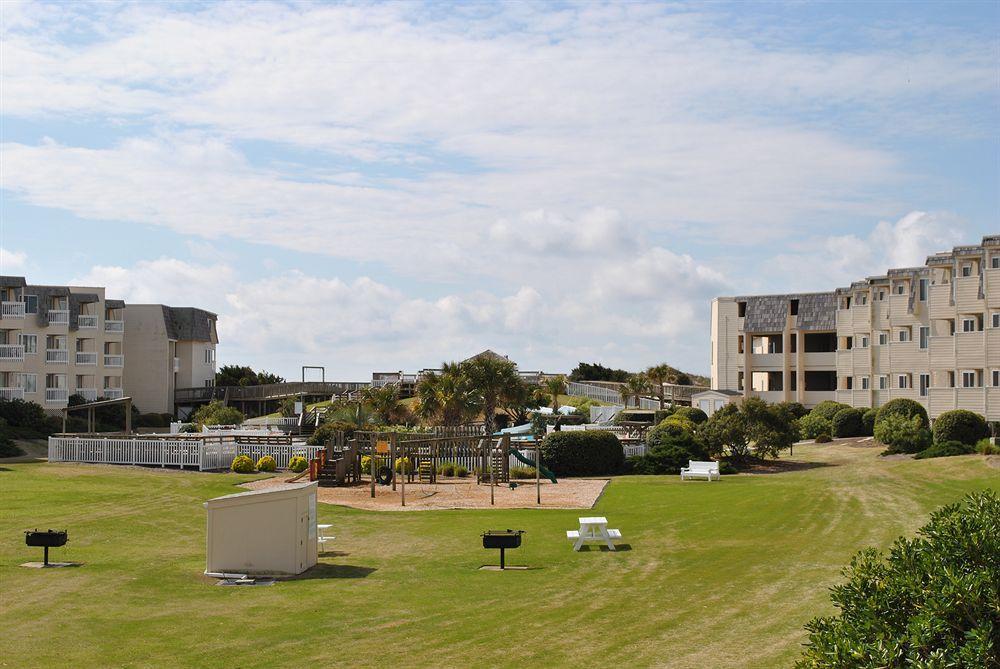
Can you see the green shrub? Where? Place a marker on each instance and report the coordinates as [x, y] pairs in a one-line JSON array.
[[828, 409], [931, 602], [8, 449], [28, 419], [638, 464], [403, 466], [726, 467], [903, 407], [823, 438], [669, 446], [901, 434], [943, 449], [298, 464], [325, 432], [217, 413], [960, 425], [795, 409], [366, 464], [684, 423], [522, 472], [461, 471], [446, 469], [868, 421], [154, 420], [693, 414], [987, 447], [812, 425], [267, 464], [848, 422], [242, 464], [589, 453]]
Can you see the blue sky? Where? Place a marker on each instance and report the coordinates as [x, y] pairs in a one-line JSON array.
[[391, 185]]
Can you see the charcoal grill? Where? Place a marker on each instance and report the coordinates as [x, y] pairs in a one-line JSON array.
[[502, 539], [45, 538]]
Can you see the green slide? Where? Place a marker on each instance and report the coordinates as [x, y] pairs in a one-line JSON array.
[[531, 463]]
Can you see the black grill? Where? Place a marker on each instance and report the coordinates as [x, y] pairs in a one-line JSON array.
[[47, 539], [502, 539]]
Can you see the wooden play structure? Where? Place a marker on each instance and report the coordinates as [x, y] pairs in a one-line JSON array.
[[393, 460]]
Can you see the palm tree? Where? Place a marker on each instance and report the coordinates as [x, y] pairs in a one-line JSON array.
[[657, 376], [447, 396], [635, 386], [490, 379], [555, 386], [383, 401]]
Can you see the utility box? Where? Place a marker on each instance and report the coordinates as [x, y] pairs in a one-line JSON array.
[[270, 532]]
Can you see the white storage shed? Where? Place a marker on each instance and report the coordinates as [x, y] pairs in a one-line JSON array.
[[263, 532], [711, 401]]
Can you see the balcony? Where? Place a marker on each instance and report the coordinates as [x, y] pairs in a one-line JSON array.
[[86, 322], [114, 326], [11, 393], [11, 352], [56, 355], [86, 358], [12, 310], [56, 394], [58, 316], [89, 394], [116, 360], [113, 393]]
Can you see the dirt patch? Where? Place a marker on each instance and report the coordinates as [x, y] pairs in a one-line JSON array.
[[993, 461], [458, 494]]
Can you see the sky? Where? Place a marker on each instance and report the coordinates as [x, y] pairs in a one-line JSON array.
[[388, 186]]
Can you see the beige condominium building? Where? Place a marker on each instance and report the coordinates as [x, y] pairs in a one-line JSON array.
[[56, 341], [167, 348], [930, 333]]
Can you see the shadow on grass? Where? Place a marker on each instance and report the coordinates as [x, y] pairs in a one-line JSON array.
[[781, 466], [619, 548], [333, 554], [323, 570]]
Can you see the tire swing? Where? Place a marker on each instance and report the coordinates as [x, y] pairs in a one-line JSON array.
[[383, 475]]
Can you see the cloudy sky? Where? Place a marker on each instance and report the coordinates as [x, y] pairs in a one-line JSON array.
[[391, 185]]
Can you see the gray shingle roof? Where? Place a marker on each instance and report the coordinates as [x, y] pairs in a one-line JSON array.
[[114, 304], [75, 300], [188, 323], [12, 282], [768, 313]]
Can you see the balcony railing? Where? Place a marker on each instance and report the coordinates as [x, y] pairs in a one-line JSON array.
[[89, 394], [11, 393], [57, 316], [12, 310], [56, 394], [114, 326], [11, 352], [113, 393], [86, 321], [116, 360], [56, 355], [86, 358]]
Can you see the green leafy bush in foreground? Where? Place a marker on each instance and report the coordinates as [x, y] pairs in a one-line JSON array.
[[967, 427], [943, 449], [933, 602], [242, 464], [901, 434], [812, 425], [902, 406], [848, 422], [590, 453]]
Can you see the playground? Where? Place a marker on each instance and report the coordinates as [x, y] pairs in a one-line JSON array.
[[452, 493]]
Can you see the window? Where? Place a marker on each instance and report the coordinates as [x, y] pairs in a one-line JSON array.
[[55, 380], [995, 318], [29, 382], [863, 383], [850, 383], [29, 342], [903, 381], [739, 344], [995, 262], [900, 288], [925, 335], [209, 383], [864, 341], [793, 307], [951, 379], [967, 269], [923, 289], [880, 295], [969, 379], [883, 338], [739, 381], [742, 309], [862, 298], [209, 356], [883, 382], [925, 383], [951, 326], [996, 374], [904, 334], [30, 304], [848, 343], [968, 325]]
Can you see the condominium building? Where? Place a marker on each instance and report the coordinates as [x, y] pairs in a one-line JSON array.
[[167, 348], [929, 333], [56, 341]]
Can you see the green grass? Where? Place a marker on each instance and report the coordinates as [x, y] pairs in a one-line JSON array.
[[721, 574]]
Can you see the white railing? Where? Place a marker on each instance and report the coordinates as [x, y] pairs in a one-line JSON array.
[[89, 394], [11, 393], [86, 321], [116, 360], [57, 316], [86, 358], [169, 452], [12, 310], [114, 326], [11, 352], [113, 393], [593, 392], [56, 355], [56, 394]]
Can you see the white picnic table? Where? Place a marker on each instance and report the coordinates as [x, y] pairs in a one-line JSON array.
[[593, 529], [323, 538]]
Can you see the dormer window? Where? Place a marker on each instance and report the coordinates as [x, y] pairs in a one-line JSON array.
[[793, 307]]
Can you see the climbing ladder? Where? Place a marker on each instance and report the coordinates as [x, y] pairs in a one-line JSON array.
[[425, 471]]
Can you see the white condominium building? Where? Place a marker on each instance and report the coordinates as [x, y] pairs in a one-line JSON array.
[[931, 334]]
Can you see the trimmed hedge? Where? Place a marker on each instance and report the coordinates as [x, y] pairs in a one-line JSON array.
[[945, 449], [670, 445], [902, 407], [298, 464], [848, 423], [828, 409], [693, 414], [960, 425], [823, 438], [267, 464], [588, 453], [324, 432], [812, 425], [902, 434], [242, 464], [868, 419]]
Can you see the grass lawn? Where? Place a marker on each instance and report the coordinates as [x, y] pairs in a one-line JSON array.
[[717, 575]]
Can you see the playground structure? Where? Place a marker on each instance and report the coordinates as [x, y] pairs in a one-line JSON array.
[[392, 459]]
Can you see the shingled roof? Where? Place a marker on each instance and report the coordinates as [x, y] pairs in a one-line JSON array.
[[769, 313], [12, 282], [188, 323]]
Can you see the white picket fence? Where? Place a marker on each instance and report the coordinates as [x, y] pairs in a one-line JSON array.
[[214, 454]]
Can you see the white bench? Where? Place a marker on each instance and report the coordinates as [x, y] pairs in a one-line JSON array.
[[700, 469]]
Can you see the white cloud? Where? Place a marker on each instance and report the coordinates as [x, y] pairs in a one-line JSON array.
[[12, 261]]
